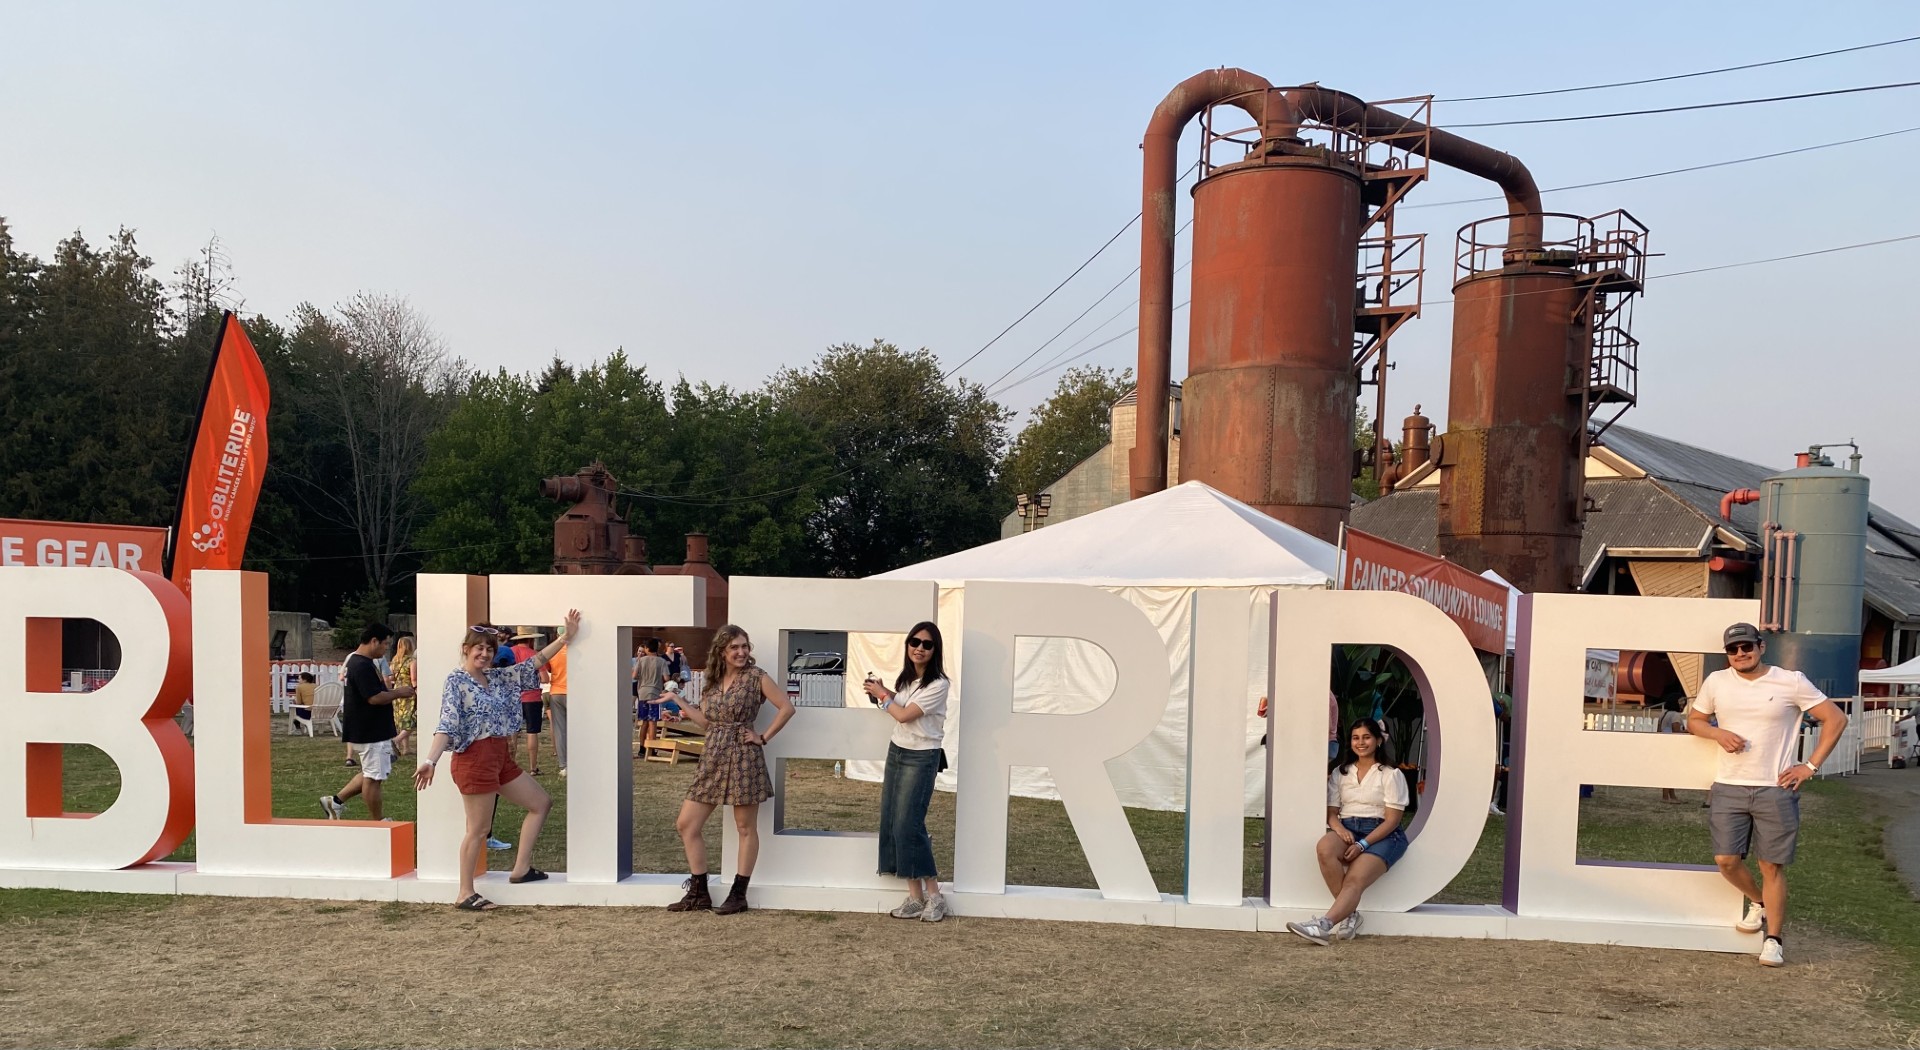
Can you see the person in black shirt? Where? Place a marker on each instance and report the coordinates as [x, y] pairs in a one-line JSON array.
[[366, 717]]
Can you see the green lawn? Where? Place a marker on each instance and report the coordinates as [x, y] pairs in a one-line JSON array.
[[1842, 882]]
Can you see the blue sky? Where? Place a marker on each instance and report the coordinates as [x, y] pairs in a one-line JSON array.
[[725, 190]]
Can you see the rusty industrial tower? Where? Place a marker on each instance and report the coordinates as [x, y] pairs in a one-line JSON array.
[[1299, 281]]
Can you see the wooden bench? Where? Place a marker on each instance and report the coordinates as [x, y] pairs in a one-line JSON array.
[[672, 740]]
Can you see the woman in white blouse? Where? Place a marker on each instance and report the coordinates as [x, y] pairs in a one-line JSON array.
[[918, 704], [1366, 797]]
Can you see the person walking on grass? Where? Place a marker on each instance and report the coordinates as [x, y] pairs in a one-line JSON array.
[[649, 684], [532, 705], [1754, 803], [366, 719], [1366, 797], [917, 703], [557, 705], [405, 709], [480, 714], [733, 767]]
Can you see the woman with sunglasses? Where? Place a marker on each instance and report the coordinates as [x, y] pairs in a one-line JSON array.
[[918, 705], [480, 715], [1366, 797]]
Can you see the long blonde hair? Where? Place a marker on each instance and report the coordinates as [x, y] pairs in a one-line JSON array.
[[402, 662], [717, 658]]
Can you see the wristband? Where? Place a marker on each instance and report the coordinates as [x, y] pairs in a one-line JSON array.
[[1362, 843], [1811, 766]]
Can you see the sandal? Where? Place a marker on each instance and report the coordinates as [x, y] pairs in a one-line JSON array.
[[476, 903], [532, 875]]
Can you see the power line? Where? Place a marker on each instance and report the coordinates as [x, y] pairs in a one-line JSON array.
[[1684, 109], [1089, 334], [1673, 171], [1685, 76], [1076, 272], [1546, 291], [1044, 298], [1069, 325]]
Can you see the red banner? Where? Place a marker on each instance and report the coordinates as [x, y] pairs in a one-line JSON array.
[[133, 547], [227, 462], [1476, 603]]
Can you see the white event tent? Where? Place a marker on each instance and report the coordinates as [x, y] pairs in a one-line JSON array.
[[1904, 674], [1155, 552]]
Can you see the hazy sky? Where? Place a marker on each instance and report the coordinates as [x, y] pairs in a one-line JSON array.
[[725, 191]]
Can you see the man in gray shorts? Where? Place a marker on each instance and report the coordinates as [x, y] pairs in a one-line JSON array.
[[1755, 800]]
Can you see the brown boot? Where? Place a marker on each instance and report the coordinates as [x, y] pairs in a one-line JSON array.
[[736, 901], [697, 898]]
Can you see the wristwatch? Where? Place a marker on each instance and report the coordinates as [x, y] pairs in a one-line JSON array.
[[1811, 766]]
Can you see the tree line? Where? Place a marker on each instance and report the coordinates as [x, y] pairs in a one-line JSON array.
[[390, 455]]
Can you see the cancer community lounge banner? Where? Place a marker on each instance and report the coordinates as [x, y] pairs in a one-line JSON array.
[[227, 462], [219, 788]]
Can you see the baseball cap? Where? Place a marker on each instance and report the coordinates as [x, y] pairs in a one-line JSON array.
[[1740, 632]]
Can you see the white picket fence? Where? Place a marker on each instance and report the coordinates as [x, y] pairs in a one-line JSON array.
[[820, 690]]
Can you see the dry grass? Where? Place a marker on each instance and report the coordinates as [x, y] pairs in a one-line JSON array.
[[206, 972], [104, 970]]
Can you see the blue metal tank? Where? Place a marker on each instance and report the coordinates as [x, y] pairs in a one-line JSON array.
[[1813, 575]]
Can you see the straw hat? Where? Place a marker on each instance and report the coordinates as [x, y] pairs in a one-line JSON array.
[[526, 633]]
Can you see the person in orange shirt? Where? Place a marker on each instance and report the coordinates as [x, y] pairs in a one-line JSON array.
[[557, 705]]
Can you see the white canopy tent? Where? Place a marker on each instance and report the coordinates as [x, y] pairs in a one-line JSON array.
[[1155, 552], [1904, 674]]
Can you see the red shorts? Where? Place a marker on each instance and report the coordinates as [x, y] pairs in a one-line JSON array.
[[484, 766]]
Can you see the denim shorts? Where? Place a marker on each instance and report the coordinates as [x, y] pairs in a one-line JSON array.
[[1388, 849]]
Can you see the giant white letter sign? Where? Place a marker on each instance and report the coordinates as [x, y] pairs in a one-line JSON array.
[[768, 608], [130, 718], [1216, 745], [448, 603], [237, 834], [1553, 756], [599, 716], [1453, 810], [1074, 747]]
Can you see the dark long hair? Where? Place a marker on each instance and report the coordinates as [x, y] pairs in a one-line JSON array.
[[1348, 758], [935, 671]]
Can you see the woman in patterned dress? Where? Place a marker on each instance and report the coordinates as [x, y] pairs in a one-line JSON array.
[[405, 709], [480, 715], [733, 768]]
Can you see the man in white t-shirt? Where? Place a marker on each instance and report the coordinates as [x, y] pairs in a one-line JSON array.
[[1754, 803]]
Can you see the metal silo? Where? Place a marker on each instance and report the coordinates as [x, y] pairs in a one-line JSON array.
[[1813, 574]]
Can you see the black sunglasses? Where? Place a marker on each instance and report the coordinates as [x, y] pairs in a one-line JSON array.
[[1740, 647], [920, 643]]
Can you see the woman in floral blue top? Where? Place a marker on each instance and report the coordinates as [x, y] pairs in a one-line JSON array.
[[479, 716]]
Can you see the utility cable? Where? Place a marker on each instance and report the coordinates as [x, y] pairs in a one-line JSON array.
[[1685, 76], [1545, 291], [1064, 328], [1056, 288], [1672, 171], [1684, 109]]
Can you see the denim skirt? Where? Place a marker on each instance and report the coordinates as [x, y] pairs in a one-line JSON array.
[[1388, 849], [906, 850]]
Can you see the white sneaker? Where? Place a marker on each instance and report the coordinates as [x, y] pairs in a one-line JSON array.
[[563, 771], [909, 909], [1319, 931], [1493, 810], [1773, 953], [1753, 919], [1349, 927], [332, 809], [936, 908], [496, 844]]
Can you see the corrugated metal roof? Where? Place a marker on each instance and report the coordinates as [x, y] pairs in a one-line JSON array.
[[1673, 507]]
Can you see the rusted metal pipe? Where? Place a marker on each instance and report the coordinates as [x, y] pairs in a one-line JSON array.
[[1736, 496], [1147, 463], [1441, 147]]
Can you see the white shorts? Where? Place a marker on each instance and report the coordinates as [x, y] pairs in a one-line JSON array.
[[376, 760]]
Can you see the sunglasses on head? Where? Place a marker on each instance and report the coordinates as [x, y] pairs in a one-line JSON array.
[[483, 629], [1740, 647], [920, 643]]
